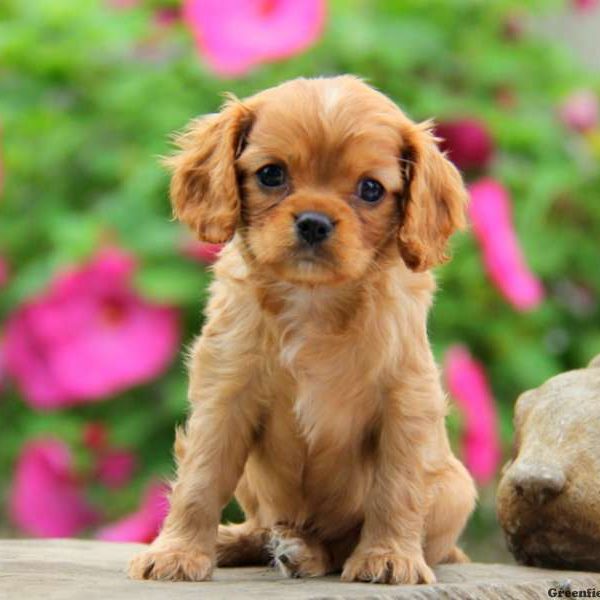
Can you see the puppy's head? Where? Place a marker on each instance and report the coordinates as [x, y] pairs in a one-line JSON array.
[[322, 178]]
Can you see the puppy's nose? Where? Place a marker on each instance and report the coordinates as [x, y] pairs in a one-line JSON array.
[[313, 227]]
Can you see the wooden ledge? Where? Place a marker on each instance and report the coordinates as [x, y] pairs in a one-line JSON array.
[[73, 569]]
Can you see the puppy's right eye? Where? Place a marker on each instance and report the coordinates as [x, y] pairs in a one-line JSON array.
[[271, 176]]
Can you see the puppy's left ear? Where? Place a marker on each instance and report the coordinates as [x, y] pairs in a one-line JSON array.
[[204, 187], [434, 201]]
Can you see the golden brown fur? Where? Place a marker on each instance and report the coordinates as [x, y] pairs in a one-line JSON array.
[[314, 394]]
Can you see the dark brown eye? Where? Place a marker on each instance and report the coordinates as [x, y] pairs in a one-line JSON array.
[[370, 190], [271, 176]]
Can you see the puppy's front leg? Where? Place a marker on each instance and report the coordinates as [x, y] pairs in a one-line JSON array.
[[211, 455], [390, 547]]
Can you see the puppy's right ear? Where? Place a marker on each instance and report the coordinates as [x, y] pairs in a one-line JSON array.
[[204, 187]]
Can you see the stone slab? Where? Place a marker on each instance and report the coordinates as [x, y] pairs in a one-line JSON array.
[[90, 570]]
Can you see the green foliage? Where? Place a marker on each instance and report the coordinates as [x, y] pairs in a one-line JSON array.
[[90, 94]]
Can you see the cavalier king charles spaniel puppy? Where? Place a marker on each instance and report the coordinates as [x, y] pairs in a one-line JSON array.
[[314, 396]]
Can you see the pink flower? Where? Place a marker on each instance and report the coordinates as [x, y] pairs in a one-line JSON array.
[[95, 436], [467, 142], [115, 467], [167, 16], [203, 252], [144, 524], [89, 336], [46, 500], [468, 385], [236, 35], [585, 5], [2, 365], [490, 212], [580, 111]]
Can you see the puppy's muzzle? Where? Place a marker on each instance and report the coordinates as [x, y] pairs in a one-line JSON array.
[[313, 228]]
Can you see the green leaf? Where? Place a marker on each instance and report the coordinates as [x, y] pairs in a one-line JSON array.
[[176, 283]]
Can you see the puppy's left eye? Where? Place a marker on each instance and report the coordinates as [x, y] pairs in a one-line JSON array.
[[271, 176], [370, 190]]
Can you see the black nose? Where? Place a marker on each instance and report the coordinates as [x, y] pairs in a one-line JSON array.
[[313, 227]]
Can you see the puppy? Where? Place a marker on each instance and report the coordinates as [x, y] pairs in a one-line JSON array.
[[314, 394]]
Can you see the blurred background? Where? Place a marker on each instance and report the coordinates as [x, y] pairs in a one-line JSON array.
[[100, 292]]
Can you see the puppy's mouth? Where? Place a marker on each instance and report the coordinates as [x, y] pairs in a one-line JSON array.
[[310, 266], [311, 257]]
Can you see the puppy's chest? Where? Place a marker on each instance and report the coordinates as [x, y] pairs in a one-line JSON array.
[[324, 431], [312, 336], [334, 395]]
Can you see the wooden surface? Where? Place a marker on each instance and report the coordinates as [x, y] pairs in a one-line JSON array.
[[73, 569]]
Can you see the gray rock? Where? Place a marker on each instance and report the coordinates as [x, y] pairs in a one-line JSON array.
[[549, 496]]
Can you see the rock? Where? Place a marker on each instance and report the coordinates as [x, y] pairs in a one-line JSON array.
[[74, 569], [548, 499]]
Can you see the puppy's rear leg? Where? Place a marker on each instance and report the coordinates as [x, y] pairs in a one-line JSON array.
[[243, 544], [453, 503]]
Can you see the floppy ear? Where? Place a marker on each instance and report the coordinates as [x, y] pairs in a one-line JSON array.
[[204, 187], [434, 201]]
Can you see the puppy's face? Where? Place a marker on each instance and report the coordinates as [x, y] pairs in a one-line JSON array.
[[322, 179], [321, 182]]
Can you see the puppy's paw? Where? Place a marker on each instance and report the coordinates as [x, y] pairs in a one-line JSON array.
[[296, 557], [377, 566], [171, 565]]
